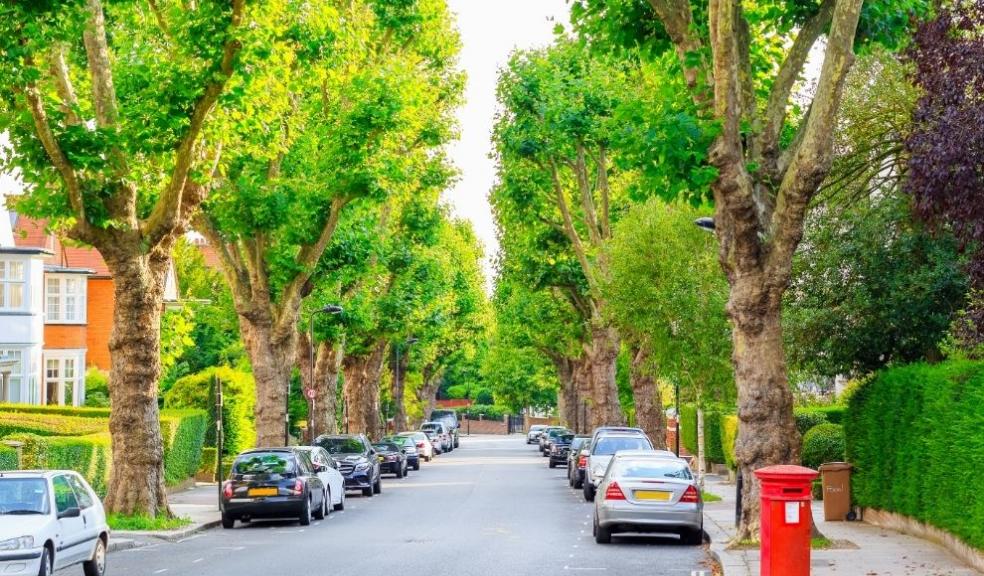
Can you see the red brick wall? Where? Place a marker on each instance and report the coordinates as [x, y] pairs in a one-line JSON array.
[[531, 420], [64, 336], [99, 311], [484, 427]]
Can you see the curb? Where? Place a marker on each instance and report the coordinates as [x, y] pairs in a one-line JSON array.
[[120, 544], [172, 535]]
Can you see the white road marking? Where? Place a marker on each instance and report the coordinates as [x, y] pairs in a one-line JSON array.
[[196, 561], [161, 571]]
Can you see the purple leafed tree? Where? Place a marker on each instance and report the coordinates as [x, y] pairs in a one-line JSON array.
[[946, 147]]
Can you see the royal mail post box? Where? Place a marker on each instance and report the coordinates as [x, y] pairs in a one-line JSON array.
[[785, 519]]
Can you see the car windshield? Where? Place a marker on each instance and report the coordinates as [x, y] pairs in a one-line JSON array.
[[556, 433], [342, 445], [578, 443], [608, 445], [536, 428], [652, 468], [399, 441], [23, 496], [386, 447], [565, 438], [264, 463]]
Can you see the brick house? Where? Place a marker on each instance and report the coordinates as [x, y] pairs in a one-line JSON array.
[[56, 313]]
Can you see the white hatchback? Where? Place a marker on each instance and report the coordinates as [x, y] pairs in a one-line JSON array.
[[49, 520]]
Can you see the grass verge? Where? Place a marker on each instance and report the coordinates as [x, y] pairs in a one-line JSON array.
[[709, 497], [145, 523]]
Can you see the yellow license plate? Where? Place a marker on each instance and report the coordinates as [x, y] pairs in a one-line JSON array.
[[655, 495], [262, 491], [382, 458]]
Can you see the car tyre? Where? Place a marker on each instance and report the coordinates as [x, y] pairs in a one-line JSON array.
[[578, 483], [322, 510], [416, 466], [96, 566], [341, 504], [692, 537], [552, 464], [305, 517], [368, 492], [589, 492], [377, 488], [46, 562], [602, 535], [399, 473], [228, 521]]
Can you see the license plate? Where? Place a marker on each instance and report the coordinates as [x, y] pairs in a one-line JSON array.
[[653, 495], [262, 492], [382, 458]]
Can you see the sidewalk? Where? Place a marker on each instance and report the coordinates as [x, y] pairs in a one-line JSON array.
[[860, 549], [200, 504]]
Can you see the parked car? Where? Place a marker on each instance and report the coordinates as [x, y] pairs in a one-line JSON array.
[[533, 436], [613, 430], [326, 468], [549, 436], [409, 450], [648, 492], [450, 419], [559, 448], [272, 483], [447, 444], [357, 461], [545, 435], [602, 449], [392, 460], [424, 447], [437, 445], [50, 520], [577, 459]]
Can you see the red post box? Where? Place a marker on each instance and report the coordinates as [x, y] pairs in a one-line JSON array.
[[785, 519]]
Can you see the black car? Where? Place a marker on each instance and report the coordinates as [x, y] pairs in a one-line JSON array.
[[409, 449], [357, 461], [450, 419], [576, 463], [560, 446], [392, 460], [272, 483], [549, 437]]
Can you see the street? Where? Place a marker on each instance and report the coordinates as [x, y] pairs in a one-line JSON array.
[[492, 506]]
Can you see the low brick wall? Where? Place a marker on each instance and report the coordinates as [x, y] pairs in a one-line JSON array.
[[533, 420], [484, 427]]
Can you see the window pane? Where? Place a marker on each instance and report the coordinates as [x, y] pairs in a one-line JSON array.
[[3, 269], [54, 286], [54, 310], [70, 308], [16, 296], [83, 494], [71, 285], [64, 495], [52, 368], [52, 391], [70, 368], [15, 271]]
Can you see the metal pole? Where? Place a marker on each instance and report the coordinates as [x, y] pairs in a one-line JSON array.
[[740, 485], [677, 419], [311, 381], [218, 435], [396, 383]]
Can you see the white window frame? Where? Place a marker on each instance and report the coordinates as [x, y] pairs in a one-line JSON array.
[[8, 284], [13, 380], [60, 359], [61, 297]]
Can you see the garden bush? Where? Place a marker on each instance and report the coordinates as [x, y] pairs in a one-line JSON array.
[[239, 396], [688, 427], [8, 458], [183, 432], [96, 388], [88, 455], [914, 437], [484, 411], [807, 419], [823, 443], [713, 451], [729, 433], [55, 410], [49, 425]]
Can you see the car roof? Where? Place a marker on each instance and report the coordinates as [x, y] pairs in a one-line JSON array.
[[35, 473], [275, 449], [648, 454], [618, 429]]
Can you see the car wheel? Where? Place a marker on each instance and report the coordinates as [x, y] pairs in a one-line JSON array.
[[96, 566], [570, 479], [578, 484], [377, 488], [228, 521], [602, 535], [552, 464], [306, 512], [46, 561], [692, 537], [341, 504], [589, 492], [322, 510], [416, 466], [398, 472], [368, 492], [457, 443]]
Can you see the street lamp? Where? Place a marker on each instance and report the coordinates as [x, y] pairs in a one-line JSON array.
[[396, 373], [329, 309]]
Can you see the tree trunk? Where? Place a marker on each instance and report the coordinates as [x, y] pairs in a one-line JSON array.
[[567, 395], [428, 391], [270, 354], [602, 356], [399, 386], [362, 374], [767, 432], [136, 483], [701, 454], [584, 406], [648, 403], [327, 365]]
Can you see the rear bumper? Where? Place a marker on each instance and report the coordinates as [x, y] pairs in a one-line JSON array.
[[272, 507], [628, 517], [558, 459]]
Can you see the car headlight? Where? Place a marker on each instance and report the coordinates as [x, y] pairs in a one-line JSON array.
[[362, 466], [17, 543]]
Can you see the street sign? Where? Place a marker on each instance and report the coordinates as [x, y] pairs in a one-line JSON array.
[[310, 393]]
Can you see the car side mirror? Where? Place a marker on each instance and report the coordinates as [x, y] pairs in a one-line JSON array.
[[72, 512], [320, 468]]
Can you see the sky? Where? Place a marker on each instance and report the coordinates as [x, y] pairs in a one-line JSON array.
[[490, 31]]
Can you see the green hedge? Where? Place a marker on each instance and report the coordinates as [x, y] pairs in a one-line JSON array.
[[688, 427], [809, 416], [484, 411], [49, 425], [729, 433], [914, 435], [823, 443], [55, 410], [239, 397], [8, 458], [713, 450], [183, 432], [88, 455]]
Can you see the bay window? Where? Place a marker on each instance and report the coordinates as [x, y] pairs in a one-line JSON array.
[[65, 299], [12, 285]]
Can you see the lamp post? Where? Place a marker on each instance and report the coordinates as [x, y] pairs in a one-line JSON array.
[[396, 372], [329, 309], [677, 435]]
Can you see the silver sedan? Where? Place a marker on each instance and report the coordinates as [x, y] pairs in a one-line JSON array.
[[648, 492]]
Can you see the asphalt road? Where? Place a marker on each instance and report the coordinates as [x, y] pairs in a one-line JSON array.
[[490, 507]]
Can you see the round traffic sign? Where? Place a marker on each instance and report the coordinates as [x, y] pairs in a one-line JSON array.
[[310, 393]]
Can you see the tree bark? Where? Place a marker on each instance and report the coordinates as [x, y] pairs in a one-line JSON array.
[[327, 365], [584, 409], [136, 483], [648, 402], [567, 395], [602, 355], [270, 352], [362, 374], [427, 393]]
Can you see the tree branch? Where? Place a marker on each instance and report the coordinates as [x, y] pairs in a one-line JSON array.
[[59, 72], [606, 224], [587, 198], [678, 21], [572, 234]]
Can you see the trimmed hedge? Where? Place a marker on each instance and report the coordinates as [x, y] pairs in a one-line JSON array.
[[8, 458], [729, 433], [239, 397], [688, 427], [88, 455], [483, 411], [823, 443], [713, 451], [48, 425], [914, 435], [183, 432], [55, 410], [807, 419]]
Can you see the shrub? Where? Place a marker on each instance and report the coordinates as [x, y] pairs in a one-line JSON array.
[[88, 455], [8, 458], [914, 437], [55, 410], [688, 427], [807, 418], [183, 432], [823, 443], [713, 451], [96, 388], [484, 397], [48, 425], [729, 433], [483, 411], [239, 397]]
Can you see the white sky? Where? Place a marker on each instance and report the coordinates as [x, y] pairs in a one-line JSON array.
[[490, 30]]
